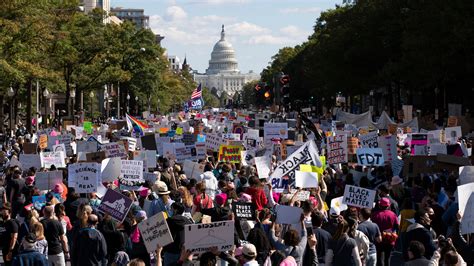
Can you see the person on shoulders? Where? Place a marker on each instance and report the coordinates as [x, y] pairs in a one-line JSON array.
[[28, 256]]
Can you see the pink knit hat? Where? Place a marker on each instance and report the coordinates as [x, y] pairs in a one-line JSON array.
[[289, 261]]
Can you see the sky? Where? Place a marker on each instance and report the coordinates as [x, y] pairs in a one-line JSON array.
[[257, 29]]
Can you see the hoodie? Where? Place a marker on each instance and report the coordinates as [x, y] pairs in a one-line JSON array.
[[176, 225], [211, 183], [419, 233], [258, 197]]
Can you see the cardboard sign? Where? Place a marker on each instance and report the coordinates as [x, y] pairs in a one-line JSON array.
[[110, 169], [244, 210], [452, 121], [200, 238], [47, 180], [30, 148], [131, 173], [30, 160], [370, 157], [388, 144], [155, 231], [263, 166], [149, 142], [283, 177], [337, 149], [352, 145], [53, 158], [306, 179], [116, 205], [84, 177], [369, 140], [43, 141], [115, 149], [288, 214], [230, 154], [359, 197]]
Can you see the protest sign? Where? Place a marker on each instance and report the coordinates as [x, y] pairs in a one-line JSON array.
[[155, 231], [352, 145], [306, 179], [275, 131], [370, 156], [149, 142], [369, 140], [114, 149], [418, 140], [452, 134], [337, 203], [337, 149], [84, 177], [244, 210], [359, 197], [192, 169], [288, 214], [467, 222], [116, 205], [263, 166], [201, 151], [53, 158], [283, 177], [437, 148], [43, 141], [59, 148], [97, 157], [248, 157], [30, 160], [110, 169], [388, 144], [132, 142], [230, 154], [47, 180], [87, 127], [200, 238], [131, 174], [30, 148], [466, 174], [86, 146], [452, 121], [397, 166], [39, 201], [213, 141]]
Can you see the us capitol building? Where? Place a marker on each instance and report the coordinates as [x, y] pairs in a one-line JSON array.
[[223, 74]]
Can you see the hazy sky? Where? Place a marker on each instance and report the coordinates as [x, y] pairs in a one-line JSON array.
[[255, 28]]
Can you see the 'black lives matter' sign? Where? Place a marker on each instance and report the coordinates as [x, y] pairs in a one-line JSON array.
[[244, 210]]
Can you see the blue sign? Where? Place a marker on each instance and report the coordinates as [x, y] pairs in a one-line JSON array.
[[194, 104]]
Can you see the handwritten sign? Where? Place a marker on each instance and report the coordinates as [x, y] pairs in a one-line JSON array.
[[200, 238], [263, 166], [43, 141], [131, 173], [84, 177], [230, 153], [155, 231], [370, 157], [116, 205], [114, 149], [388, 144], [337, 149], [359, 197], [53, 158], [244, 210], [369, 140], [352, 145]]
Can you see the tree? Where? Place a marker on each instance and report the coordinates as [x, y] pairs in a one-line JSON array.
[[249, 95]]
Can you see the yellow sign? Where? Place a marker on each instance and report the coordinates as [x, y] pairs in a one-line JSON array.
[[230, 153], [43, 141], [179, 131]]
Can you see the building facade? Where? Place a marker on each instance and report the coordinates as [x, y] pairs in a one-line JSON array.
[[135, 15], [223, 74]]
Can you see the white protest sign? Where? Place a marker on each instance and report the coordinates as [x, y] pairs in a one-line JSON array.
[[155, 231], [306, 179], [388, 144], [200, 238], [169, 149], [110, 169], [114, 149], [337, 149], [337, 203], [437, 148], [192, 169], [435, 136], [288, 214], [466, 174], [59, 148], [213, 142], [84, 177], [131, 173], [452, 134], [464, 193], [275, 131], [369, 140], [359, 197], [86, 146], [132, 143], [248, 157], [284, 174], [263, 166], [370, 157], [47, 180], [159, 143], [30, 160], [467, 222], [53, 158]]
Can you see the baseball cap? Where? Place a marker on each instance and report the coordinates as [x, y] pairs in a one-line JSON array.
[[249, 250]]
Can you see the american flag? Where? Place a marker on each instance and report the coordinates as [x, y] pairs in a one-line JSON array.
[[197, 93]]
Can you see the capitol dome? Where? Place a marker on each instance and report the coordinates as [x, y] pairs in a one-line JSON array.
[[222, 57]]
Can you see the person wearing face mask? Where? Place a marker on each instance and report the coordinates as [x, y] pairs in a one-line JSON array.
[[420, 231]]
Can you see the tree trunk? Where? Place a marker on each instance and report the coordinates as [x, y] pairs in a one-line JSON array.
[[28, 105]]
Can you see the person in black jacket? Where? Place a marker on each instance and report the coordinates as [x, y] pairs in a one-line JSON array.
[[419, 231], [176, 225], [465, 248], [90, 246], [219, 212]]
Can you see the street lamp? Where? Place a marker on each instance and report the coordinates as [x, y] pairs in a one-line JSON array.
[[10, 94], [91, 95], [136, 104], [128, 103], [46, 96], [72, 93]]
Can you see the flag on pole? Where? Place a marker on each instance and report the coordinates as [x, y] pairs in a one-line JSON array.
[[136, 125], [197, 93]]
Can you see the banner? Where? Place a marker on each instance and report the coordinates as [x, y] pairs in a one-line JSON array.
[[200, 238], [283, 177], [369, 140], [155, 231], [370, 157], [337, 149], [131, 174], [244, 210], [84, 177], [229, 153], [359, 197], [116, 205]]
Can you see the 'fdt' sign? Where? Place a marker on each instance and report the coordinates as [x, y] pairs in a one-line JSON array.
[[370, 156]]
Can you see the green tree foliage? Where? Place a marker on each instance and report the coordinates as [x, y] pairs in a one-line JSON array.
[[249, 95]]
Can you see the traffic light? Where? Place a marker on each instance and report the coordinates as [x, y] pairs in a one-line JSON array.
[[268, 94], [260, 86], [285, 89]]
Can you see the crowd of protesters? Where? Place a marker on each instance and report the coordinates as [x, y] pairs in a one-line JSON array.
[[409, 225]]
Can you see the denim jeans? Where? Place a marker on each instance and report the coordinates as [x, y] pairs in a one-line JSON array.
[[371, 259]]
